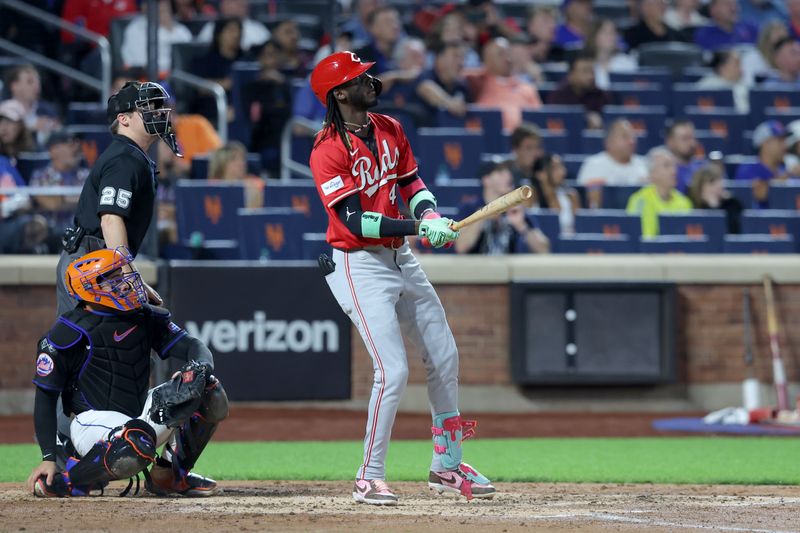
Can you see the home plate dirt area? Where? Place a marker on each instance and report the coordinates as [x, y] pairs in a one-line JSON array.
[[328, 506]]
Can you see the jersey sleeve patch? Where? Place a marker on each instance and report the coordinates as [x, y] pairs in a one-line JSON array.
[[332, 185], [44, 365]]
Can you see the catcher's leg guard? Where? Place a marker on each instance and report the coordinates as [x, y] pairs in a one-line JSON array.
[[130, 449]]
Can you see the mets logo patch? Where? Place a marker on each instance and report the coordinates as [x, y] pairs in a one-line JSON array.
[[44, 365]]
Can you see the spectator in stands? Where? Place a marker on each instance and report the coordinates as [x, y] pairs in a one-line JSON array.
[[9, 175], [384, 28], [757, 61], [651, 27], [577, 18], [188, 10], [217, 65], [526, 149], [14, 135], [523, 66], [707, 191], [727, 74], [229, 163], [134, 49], [552, 191], [253, 32], [486, 21], [66, 169], [452, 29], [682, 144], [684, 15], [725, 28], [660, 196], [759, 12], [95, 16], [786, 60], [603, 44], [268, 100], [541, 26], [25, 87], [617, 165], [495, 87], [578, 88], [399, 84], [793, 7], [358, 22], [510, 233], [443, 87], [769, 139], [295, 61], [27, 233], [792, 158]]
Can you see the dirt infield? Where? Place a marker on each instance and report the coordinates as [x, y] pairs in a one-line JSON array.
[[275, 423], [297, 506]]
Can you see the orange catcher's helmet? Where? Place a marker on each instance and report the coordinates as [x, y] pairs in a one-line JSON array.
[[335, 70], [97, 278]]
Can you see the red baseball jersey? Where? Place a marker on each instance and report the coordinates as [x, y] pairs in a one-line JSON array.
[[339, 173]]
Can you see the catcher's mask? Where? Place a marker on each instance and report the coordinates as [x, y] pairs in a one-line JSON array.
[[151, 100], [98, 278]]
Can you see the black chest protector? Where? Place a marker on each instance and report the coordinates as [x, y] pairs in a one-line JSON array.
[[114, 372]]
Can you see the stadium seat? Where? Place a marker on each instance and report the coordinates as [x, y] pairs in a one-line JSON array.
[[303, 197], [550, 224], [616, 196], [272, 233], [608, 222], [759, 244], [213, 250], [93, 139], [785, 195], [675, 244], [784, 115], [763, 99], [243, 72], [208, 208], [732, 163], [315, 244], [727, 123], [199, 168], [659, 77], [773, 222], [555, 143], [711, 141], [647, 121], [86, 113], [567, 119], [672, 55], [713, 225], [448, 153], [631, 95], [456, 192], [694, 74], [573, 163], [30, 162], [486, 120], [688, 95], [742, 191], [594, 243]]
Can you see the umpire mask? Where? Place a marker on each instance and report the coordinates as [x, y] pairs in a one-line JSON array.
[[152, 102]]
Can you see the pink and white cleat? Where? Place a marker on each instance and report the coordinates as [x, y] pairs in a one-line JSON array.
[[465, 481], [374, 492]]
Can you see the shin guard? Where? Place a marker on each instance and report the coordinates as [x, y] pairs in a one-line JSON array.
[[448, 431]]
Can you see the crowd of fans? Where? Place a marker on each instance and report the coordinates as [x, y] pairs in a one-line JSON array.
[[432, 58]]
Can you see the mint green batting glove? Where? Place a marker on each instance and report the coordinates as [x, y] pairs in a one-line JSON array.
[[438, 231]]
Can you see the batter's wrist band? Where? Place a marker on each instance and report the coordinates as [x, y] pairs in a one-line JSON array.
[[422, 196], [371, 224]]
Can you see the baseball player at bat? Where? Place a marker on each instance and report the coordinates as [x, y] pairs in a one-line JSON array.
[[96, 358], [363, 167]]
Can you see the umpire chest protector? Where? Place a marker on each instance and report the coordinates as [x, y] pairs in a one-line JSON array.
[[107, 360]]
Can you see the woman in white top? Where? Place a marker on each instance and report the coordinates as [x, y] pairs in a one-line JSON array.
[[757, 61], [603, 42], [683, 14], [727, 66]]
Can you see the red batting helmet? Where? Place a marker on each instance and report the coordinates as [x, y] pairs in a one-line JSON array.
[[335, 70]]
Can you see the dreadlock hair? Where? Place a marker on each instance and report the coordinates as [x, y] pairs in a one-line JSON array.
[[334, 122]]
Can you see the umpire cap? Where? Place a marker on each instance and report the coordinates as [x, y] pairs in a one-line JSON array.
[[123, 101]]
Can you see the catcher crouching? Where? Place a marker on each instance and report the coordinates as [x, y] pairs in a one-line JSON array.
[[97, 358]]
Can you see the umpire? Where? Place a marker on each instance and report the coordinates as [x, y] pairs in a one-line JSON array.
[[116, 204]]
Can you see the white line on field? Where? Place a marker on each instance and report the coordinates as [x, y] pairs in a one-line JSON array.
[[663, 523]]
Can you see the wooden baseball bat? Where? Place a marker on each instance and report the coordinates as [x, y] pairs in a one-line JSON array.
[[778, 371], [750, 385], [496, 206]]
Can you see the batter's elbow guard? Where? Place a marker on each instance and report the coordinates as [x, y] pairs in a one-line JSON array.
[[215, 402]]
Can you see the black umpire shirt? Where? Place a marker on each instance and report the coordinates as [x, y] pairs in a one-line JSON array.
[[122, 182]]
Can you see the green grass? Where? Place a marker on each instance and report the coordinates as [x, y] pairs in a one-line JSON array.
[[610, 460]]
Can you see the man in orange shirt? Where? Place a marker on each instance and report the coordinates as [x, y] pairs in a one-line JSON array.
[[496, 87]]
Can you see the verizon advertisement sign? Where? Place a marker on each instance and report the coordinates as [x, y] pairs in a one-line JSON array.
[[276, 332]]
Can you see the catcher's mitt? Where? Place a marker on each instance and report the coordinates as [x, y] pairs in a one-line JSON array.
[[176, 400]]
